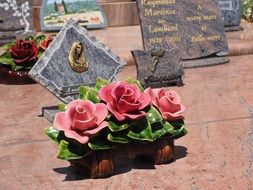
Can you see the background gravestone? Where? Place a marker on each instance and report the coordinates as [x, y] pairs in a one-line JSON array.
[[55, 71], [231, 11], [15, 19], [194, 26], [55, 13]]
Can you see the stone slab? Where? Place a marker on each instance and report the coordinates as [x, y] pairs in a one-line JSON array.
[[61, 76], [159, 67], [195, 27], [16, 16], [54, 15], [232, 12]]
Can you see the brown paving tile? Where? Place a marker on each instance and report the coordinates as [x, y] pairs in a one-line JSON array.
[[212, 156]]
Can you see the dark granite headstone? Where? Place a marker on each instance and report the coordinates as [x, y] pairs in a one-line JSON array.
[[15, 19], [195, 26], [158, 67], [74, 58], [55, 13], [231, 11]]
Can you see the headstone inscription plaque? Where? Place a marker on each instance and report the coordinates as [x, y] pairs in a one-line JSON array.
[[15, 19], [195, 26], [158, 67], [55, 13], [231, 11], [74, 58]]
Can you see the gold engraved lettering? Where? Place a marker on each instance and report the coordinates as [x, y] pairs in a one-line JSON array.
[[162, 12], [164, 28], [157, 2], [156, 40], [193, 18], [210, 17]]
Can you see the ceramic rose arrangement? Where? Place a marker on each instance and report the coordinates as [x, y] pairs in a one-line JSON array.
[[22, 54], [112, 114]]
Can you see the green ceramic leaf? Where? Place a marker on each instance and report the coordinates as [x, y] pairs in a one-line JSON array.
[[100, 83], [175, 133], [141, 131], [153, 115], [134, 81], [37, 39], [92, 97], [6, 59], [52, 133], [117, 139], [116, 127], [64, 153], [40, 54], [82, 92], [29, 38], [6, 47], [98, 146], [62, 107]]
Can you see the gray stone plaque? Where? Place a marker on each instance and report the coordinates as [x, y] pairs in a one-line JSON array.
[[159, 67], [15, 19], [195, 26], [55, 13], [231, 11], [74, 58]]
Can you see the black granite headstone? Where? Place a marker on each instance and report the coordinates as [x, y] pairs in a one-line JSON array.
[[195, 26], [55, 13], [16, 19], [74, 58], [231, 11]]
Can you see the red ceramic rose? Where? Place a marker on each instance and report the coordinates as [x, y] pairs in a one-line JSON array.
[[24, 51], [167, 102], [45, 43], [124, 100], [81, 120]]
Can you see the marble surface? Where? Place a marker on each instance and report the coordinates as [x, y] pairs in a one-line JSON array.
[[215, 154]]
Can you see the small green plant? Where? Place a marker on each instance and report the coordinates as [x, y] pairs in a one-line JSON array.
[[248, 9]]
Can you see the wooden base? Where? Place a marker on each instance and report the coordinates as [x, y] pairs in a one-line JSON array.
[[99, 164]]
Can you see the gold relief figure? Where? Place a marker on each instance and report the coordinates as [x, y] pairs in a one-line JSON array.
[[77, 60]]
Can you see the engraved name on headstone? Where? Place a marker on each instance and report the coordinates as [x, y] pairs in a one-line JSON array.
[[74, 58], [195, 26], [231, 12]]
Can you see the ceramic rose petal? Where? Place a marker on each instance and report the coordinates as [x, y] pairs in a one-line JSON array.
[[60, 121], [74, 135], [116, 114], [97, 129], [135, 116], [101, 112], [105, 93]]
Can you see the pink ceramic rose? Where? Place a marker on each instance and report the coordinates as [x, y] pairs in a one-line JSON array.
[[81, 120], [168, 103], [124, 100]]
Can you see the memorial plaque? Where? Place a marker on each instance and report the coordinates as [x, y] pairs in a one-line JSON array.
[[159, 67], [231, 11], [15, 19], [74, 58], [195, 26], [55, 13]]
